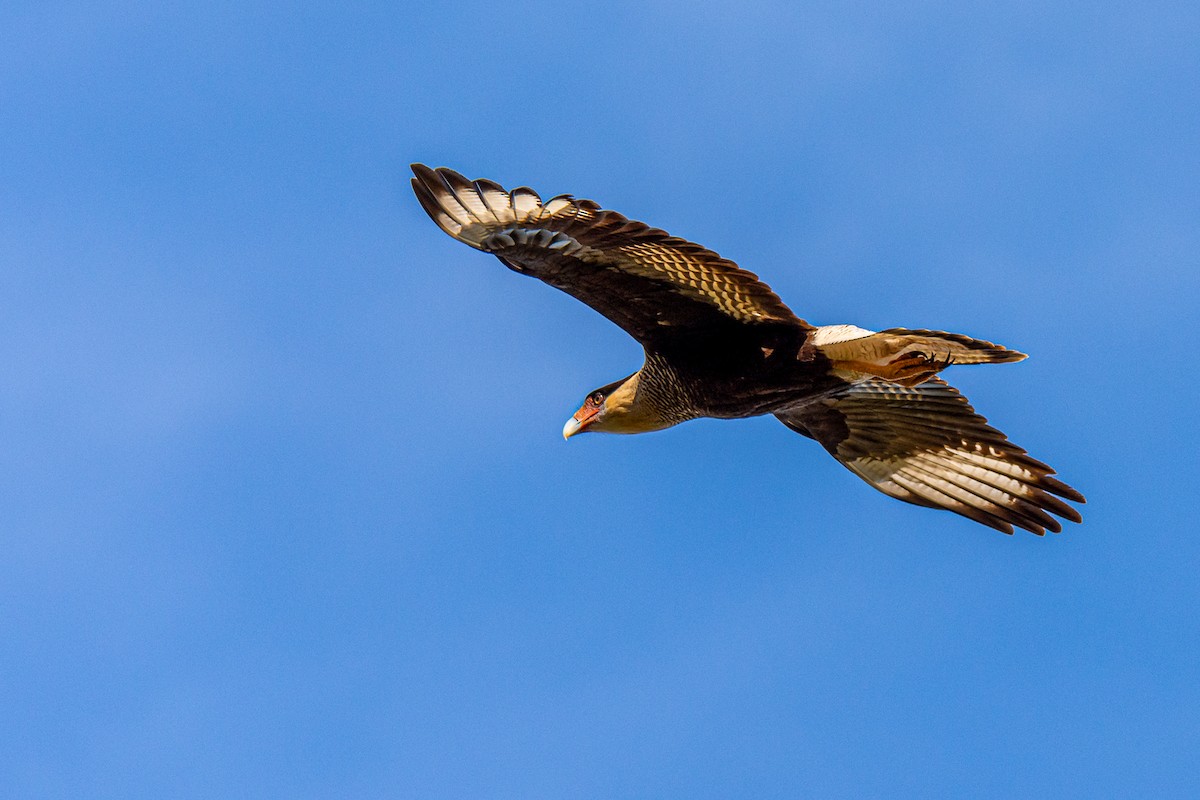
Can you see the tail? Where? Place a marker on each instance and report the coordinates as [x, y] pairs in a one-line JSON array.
[[903, 356]]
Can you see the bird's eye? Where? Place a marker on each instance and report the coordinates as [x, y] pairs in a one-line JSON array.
[[597, 398]]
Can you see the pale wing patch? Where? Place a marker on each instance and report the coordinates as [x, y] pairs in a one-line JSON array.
[[526, 202], [495, 197]]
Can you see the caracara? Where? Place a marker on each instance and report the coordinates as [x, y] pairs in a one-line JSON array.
[[719, 343]]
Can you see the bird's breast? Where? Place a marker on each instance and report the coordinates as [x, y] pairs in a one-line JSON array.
[[735, 388]]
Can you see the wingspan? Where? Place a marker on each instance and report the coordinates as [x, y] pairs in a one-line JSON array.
[[659, 288], [926, 445]]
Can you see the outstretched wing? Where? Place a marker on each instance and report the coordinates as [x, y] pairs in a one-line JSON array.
[[926, 445], [661, 289]]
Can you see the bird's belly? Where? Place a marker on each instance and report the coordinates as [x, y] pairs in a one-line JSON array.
[[753, 396], [737, 383]]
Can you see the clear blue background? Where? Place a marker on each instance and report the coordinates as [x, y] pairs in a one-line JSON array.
[[284, 506]]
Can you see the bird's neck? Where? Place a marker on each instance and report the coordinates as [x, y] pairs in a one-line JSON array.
[[662, 392]]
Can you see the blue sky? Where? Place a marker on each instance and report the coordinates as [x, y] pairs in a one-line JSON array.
[[286, 509]]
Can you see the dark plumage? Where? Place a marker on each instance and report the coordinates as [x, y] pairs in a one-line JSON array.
[[719, 343]]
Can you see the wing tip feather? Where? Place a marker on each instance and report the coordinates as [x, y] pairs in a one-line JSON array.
[[435, 210]]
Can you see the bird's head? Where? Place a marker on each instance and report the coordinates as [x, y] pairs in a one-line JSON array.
[[616, 408]]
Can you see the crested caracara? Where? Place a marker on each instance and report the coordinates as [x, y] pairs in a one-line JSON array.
[[719, 343]]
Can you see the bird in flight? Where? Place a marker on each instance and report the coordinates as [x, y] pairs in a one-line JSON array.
[[719, 343]]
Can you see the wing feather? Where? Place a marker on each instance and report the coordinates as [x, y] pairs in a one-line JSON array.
[[926, 445], [658, 287]]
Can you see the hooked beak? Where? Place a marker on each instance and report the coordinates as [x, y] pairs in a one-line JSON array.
[[578, 422]]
